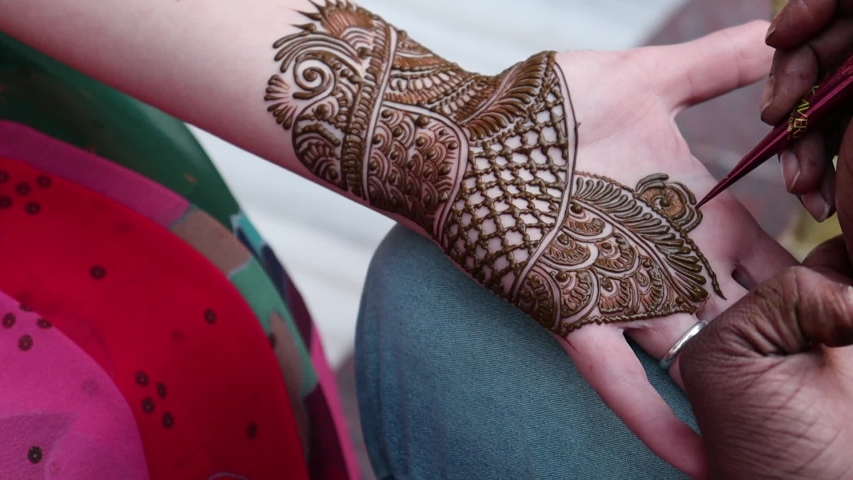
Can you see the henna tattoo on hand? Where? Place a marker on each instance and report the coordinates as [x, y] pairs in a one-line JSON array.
[[620, 255], [485, 165]]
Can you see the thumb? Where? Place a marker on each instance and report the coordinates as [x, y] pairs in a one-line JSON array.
[[798, 22], [789, 314], [693, 72], [736, 373]]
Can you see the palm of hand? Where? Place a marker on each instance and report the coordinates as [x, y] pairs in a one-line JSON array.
[[814, 441], [786, 417]]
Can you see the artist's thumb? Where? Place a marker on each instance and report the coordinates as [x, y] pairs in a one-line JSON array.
[[799, 308], [731, 369], [791, 313]]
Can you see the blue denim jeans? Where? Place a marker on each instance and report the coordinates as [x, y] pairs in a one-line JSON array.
[[454, 382]]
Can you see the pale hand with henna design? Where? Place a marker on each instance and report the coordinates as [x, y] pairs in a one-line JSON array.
[[486, 167], [211, 64]]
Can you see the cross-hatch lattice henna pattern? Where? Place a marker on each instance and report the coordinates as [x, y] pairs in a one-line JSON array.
[[485, 165]]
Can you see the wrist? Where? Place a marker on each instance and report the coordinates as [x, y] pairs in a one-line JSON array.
[[480, 163]]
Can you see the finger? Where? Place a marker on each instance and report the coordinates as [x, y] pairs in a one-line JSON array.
[[804, 165], [832, 45], [761, 259], [801, 20], [796, 71], [821, 203], [608, 364], [793, 74], [831, 258], [657, 337], [789, 314], [713, 65], [824, 312]]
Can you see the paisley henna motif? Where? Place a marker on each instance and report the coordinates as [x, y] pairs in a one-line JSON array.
[[486, 166], [642, 263]]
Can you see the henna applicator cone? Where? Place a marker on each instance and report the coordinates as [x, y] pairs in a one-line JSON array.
[[821, 101]]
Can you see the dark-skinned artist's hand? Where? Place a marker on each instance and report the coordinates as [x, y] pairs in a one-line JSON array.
[[812, 37], [771, 380]]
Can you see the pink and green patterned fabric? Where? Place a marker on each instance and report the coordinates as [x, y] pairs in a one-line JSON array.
[[248, 263]]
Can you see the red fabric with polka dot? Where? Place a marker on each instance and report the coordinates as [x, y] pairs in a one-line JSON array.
[[173, 334]]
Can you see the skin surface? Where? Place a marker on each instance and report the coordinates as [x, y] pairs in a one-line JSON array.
[[485, 166], [812, 37], [175, 56], [770, 380]]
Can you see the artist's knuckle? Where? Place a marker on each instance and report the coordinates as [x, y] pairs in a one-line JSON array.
[[781, 293], [836, 301], [806, 10], [777, 289]]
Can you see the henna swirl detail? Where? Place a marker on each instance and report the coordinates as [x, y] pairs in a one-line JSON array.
[[486, 166]]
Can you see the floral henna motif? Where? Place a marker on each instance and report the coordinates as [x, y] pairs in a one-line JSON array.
[[485, 165], [621, 255]]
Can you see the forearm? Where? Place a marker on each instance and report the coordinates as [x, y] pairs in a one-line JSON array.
[[204, 62], [211, 65]]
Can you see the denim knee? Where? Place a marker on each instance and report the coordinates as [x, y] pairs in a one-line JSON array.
[[454, 382]]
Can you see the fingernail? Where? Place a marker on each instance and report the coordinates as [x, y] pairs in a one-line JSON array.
[[768, 95], [790, 169], [827, 192], [771, 29], [817, 207]]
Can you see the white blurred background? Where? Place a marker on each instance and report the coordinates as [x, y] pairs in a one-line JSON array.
[[326, 242]]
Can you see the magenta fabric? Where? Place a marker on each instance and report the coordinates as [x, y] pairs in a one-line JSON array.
[[165, 207], [52, 156], [61, 416]]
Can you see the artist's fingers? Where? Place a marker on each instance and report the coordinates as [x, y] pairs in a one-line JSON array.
[[832, 45], [608, 364], [793, 74], [658, 336], [821, 203], [796, 71], [801, 20], [693, 72], [831, 259], [804, 164]]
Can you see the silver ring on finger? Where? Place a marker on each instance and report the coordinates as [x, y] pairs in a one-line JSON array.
[[673, 352]]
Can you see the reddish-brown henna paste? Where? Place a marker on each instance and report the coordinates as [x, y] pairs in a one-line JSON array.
[[485, 165]]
